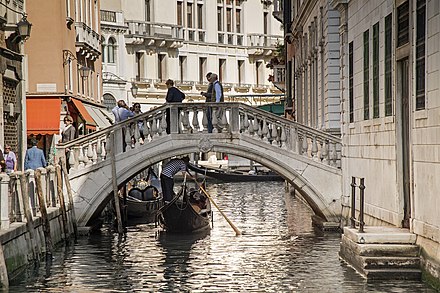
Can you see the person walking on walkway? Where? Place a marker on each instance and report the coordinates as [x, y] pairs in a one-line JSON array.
[[167, 176], [34, 157], [217, 96], [10, 160], [174, 95], [208, 96]]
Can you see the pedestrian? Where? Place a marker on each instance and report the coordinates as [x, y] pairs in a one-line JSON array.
[[121, 111], [10, 160], [34, 157], [2, 162], [137, 111], [217, 96], [68, 134], [167, 176], [174, 95], [208, 96]]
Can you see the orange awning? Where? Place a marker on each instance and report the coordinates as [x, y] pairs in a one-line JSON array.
[[83, 112], [43, 115]]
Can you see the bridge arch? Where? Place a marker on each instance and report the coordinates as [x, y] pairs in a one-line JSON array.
[[320, 185]]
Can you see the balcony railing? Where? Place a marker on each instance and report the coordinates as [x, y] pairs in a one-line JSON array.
[[262, 40], [108, 16], [86, 36], [154, 30]]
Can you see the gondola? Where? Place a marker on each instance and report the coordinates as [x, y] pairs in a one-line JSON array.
[[189, 212], [144, 200], [236, 176]]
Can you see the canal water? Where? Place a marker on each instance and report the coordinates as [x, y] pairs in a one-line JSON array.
[[279, 251]]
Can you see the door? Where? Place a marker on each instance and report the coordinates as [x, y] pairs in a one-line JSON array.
[[403, 75]]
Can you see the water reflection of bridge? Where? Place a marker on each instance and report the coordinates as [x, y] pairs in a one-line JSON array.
[[308, 159]]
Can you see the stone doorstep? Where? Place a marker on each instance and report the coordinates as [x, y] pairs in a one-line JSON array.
[[380, 235], [381, 249], [390, 262]]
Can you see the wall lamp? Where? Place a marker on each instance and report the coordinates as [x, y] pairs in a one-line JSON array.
[[23, 26], [134, 89], [84, 72]]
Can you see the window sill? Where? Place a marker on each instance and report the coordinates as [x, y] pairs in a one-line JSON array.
[[389, 119], [421, 114]]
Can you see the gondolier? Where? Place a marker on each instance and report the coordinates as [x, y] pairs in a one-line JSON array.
[[173, 167]]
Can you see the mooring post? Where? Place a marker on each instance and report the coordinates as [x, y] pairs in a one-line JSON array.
[[43, 211], [69, 193], [361, 207], [353, 202], [62, 203], [115, 183], [28, 213]]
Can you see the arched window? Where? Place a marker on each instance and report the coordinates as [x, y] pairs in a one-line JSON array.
[[109, 101], [111, 50]]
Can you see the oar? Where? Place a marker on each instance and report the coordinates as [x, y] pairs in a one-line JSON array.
[[237, 232]]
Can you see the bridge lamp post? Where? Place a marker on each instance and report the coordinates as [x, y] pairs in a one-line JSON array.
[[134, 91]]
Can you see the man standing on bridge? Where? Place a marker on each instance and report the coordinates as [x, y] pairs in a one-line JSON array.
[[167, 176]]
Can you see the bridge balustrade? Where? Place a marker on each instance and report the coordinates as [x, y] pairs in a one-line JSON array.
[[191, 119]]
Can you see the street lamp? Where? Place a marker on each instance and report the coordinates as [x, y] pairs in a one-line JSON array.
[[24, 28], [84, 72], [134, 90]]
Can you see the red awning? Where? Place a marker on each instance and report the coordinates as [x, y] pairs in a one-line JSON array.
[[43, 115], [84, 114]]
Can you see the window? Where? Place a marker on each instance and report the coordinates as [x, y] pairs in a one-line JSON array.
[[258, 72], [420, 54], [376, 70], [68, 8], [199, 16], [182, 68], [265, 22], [229, 19], [147, 10], [111, 50], [240, 64], [388, 65], [103, 53], [139, 65], [161, 68], [189, 15], [366, 76], [222, 69], [220, 19], [109, 101], [202, 69], [350, 82], [179, 13], [403, 24], [238, 21]]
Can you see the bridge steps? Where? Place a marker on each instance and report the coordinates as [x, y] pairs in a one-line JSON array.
[[382, 253]]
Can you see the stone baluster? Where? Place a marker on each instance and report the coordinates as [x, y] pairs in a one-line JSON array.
[[324, 152], [256, 126], [265, 131], [305, 146], [154, 129], [184, 117], [98, 149], [214, 120], [146, 130], [205, 120], [195, 120], [315, 149], [81, 159], [76, 158], [127, 137], [103, 152], [294, 139], [224, 122], [251, 127], [333, 155], [90, 154], [136, 135], [71, 158], [246, 123], [163, 125], [260, 131], [283, 138], [274, 134], [241, 118], [95, 153]]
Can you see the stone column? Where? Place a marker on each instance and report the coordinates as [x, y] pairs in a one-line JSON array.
[[4, 201]]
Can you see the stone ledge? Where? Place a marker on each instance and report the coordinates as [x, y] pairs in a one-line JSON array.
[[381, 235]]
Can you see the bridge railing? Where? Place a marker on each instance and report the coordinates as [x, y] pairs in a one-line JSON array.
[[192, 118], [19, 190]]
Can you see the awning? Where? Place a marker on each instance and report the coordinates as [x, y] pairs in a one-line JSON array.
[[84, 113], [43, 115], [98, 116]]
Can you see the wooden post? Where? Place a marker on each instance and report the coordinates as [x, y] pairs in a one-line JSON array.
[[115, 183], [43, 211], [27, 213], [62, 204], [69, 193]]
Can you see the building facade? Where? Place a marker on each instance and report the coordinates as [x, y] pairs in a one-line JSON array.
[[64, 69], [390, 76], [148, 42]]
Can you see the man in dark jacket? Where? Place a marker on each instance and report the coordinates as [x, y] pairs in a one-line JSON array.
[[174, 95], [208, 96]]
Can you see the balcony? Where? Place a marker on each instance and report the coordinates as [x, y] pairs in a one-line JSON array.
[[261, 44], [278, 10], [160, 33], [87, 40], [279, 76]]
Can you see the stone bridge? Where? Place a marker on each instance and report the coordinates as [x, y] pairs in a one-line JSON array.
[[308, 159]]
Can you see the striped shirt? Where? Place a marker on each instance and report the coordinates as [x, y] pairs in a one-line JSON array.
[[173, 167]]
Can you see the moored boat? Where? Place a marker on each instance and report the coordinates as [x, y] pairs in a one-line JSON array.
[[189, 212], [236, 176]]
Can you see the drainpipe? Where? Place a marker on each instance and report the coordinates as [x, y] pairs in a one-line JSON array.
[[287, 18]]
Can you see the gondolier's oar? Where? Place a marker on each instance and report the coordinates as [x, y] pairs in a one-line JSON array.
[[237, 232]]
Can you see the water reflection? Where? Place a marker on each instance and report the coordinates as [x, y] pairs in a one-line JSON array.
[[279, 251]]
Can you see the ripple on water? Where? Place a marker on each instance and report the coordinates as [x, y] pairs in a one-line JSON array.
[[279, 251]]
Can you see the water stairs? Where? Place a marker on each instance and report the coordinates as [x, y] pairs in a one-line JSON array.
[[382, 253]]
